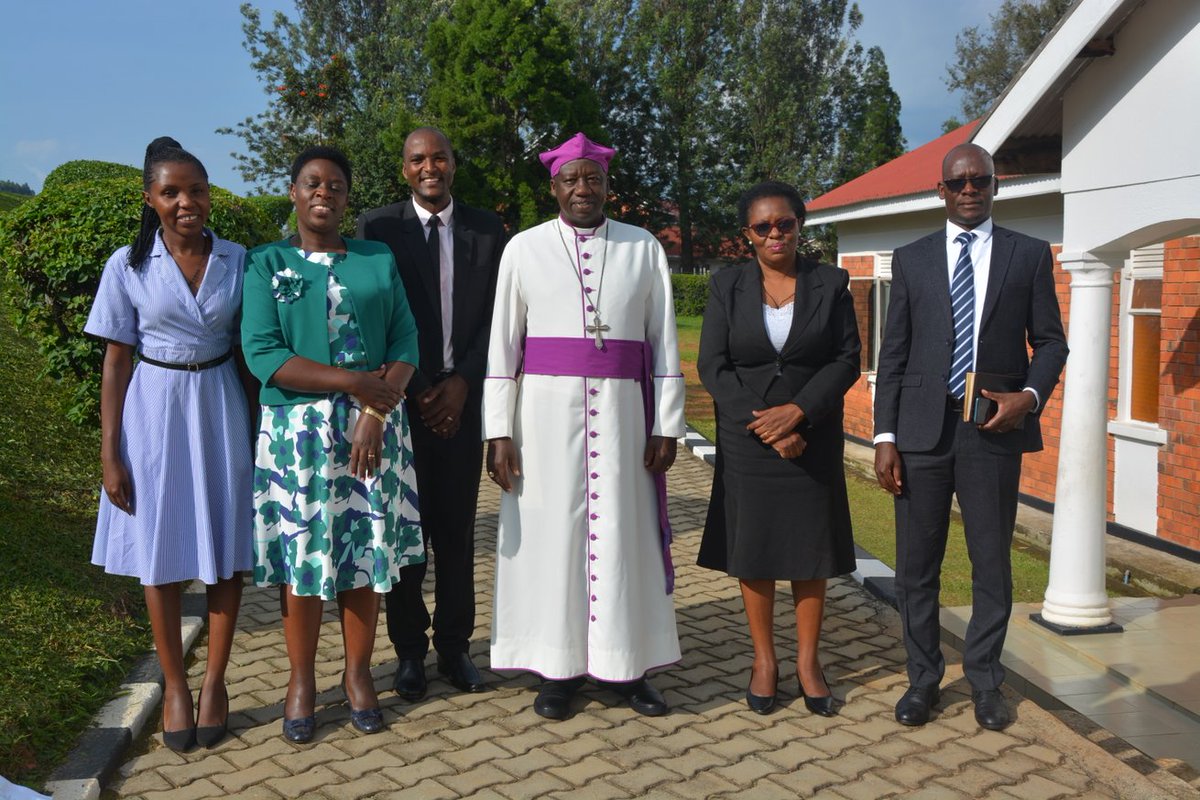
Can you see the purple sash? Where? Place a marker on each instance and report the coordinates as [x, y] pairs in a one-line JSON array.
[[619, 358]]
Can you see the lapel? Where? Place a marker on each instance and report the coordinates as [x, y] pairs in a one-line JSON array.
[[933, 253], [747, 304], [413, 236], [1002, 254], [464, 257], [809, 296]]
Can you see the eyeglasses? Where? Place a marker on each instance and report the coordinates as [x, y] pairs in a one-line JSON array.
[[979, 183], [784, 226]]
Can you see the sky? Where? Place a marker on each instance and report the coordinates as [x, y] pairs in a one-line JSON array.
[[99, 79]]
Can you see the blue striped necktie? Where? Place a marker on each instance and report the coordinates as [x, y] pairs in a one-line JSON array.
[[962, 302]]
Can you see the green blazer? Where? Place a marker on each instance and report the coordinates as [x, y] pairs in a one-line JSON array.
[[274, 331]]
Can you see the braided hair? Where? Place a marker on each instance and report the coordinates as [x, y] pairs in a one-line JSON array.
[[163, 150]]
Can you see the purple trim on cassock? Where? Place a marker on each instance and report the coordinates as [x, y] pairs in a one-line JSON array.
[[619, 358]]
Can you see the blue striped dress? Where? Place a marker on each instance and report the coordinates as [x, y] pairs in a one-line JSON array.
[[185, 436]]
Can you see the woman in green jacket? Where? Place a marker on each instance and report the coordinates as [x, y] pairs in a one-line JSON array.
[[327, 329]]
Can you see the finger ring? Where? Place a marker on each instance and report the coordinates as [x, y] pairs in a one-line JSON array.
[[370, 456]]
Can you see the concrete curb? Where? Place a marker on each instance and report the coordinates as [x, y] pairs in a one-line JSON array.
[[99, 751]]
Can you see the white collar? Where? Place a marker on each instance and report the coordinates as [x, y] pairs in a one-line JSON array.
[[445, 215]]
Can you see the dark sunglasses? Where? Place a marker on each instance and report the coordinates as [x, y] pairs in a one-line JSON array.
[[784, 226], [956, 185]]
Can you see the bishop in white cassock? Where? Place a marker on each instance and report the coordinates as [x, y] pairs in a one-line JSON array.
[[582, 407]]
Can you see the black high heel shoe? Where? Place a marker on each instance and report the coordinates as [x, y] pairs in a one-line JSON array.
[[822, 706], [181, 740], [759, 704], [367, 720], [209, 736]]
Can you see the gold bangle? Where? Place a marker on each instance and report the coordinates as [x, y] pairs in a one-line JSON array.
[[371, 412]]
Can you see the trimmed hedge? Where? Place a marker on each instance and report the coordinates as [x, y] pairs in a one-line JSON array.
[[85, 170], [278, 207], [691, 294], [53, 249]]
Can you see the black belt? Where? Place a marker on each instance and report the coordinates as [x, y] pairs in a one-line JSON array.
[[195, 366], [954, 403]]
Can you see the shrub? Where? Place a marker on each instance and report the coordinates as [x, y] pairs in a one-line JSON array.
[[278, 207], [9, 201], [84, 170], [691, 294], [53, 249]]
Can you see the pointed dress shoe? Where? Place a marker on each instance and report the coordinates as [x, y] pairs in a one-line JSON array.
[[409, 681], [553, 699], [209, 736], [180, 741], [991, 711], [762, 704], [642, 697], [300, 730], [364, 720], [913, 708], [460, 672], [821, 706]]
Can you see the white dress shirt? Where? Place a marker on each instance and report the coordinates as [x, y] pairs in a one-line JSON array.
[[445, 273]]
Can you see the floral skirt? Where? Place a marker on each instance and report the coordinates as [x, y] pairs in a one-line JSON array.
[[319, 529]]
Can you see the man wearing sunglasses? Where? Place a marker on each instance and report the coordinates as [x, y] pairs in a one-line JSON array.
[[967, 298]]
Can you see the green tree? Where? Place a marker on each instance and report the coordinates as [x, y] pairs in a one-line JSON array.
[[986, 60], [16, 188], [680, 53], [504, 87], [870, 134], [343, 72]]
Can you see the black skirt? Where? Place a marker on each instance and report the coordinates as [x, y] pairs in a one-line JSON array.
[[771, 518]]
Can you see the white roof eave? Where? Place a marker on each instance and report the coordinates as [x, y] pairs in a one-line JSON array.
[[1010, 189]]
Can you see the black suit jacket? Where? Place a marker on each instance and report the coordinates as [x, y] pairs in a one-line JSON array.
[[1020, 307], [819, 361], [478, 241]]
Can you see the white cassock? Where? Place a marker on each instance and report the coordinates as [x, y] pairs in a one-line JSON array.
[[580, 580]]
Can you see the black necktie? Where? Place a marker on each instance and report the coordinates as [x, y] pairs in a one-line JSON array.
[[435, 243]]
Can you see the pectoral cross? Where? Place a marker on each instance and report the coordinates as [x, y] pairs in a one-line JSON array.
[[595, 329]]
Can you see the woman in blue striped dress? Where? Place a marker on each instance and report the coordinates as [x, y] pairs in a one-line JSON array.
[[175, 429]]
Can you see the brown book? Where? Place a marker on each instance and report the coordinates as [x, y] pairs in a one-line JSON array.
[[979, 409]]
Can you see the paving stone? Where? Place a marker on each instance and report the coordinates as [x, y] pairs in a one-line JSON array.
[[1035, 787], [806, 781], [698, 786], [911, 772], [640, 780], [250, 756], [596, 790], [524, 765], [533, 786], [355, 766], [580, 773], [199, 790], [479, 777], [240, 780], [428, 789], [305, 757], [745, 772], [579, 747], [309, 780], [142, 782], [475, 733], [975, 780], [793, 755], [417, 771], [369, 785], [184, 774]]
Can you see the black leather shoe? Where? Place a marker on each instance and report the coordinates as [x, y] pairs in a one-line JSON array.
[[991, 711], [822, 706], [458, 669], [180, 741], [762, 704], [209, 736], [913, 708], [553, 699], [409, 681], [643, 698]]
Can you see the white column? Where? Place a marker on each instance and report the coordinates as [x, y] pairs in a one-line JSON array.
[[1075, 596]]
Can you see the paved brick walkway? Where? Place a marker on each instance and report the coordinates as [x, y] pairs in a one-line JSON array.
[[492, 744]]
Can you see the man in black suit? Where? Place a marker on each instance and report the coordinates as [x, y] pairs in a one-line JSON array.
[[448, 255], [966, 298]]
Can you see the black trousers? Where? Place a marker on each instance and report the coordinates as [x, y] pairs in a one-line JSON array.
[[986, 481], [447, 489]]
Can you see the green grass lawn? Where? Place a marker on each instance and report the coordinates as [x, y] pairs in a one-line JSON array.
[[68, 632], [871, 506]]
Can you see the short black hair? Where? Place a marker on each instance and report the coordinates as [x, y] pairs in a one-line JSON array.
[[769, 189], [329, 154]]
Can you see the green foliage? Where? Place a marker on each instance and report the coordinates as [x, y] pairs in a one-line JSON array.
[[361, 68], [986, 60], [690, 293], [53, 249], [84, 170], [503, 84], [69, 633], [277, 207], [9, 201]]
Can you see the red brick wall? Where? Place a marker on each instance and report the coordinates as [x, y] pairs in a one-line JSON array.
[[1179, 404], [858, 419], [1179, 394]]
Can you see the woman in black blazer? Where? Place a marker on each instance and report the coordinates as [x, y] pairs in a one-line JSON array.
[[778, 351]]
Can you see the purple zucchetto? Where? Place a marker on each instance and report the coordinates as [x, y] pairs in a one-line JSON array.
[[578, 146]]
